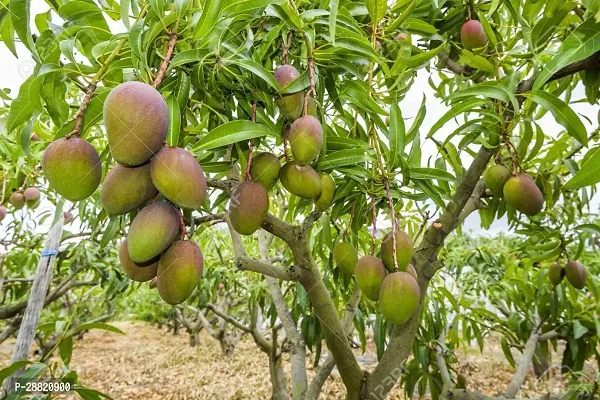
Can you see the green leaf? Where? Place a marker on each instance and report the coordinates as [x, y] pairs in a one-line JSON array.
[[431, 173], [397, 134], [7, 32], [8, 371], [589, 173], [476, 61], [21, 109], [506, 351], [402, 17], [344, 157], [19, 14], [563, 113], [418, 26], [208, 20], [188, 56], [124, 6], [257, 70], [579, 330], [376, 10], [493, 90], [174, 126], [65, 348], [233, 132], [581, 43], [75, 9], [236, 7], [98, 325], [333, 10], [455, 111], [110, 232]]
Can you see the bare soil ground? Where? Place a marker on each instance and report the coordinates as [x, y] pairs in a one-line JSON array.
[[152, 364]]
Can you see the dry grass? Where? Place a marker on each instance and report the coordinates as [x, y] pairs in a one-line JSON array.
[[152, 364]]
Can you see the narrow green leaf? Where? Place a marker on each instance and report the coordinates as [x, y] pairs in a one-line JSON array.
[[19, 14], [476, 61], [65, 348], [188, 56], [588, 175], [333, 10], [344, 157], [455, 111], [233, 132], [208, 20], [125, 5], [563, 113], [581, 43], [98, 325], [174, 126], [492, 89], [257, 70], [431, 173], [397, 134], [8, 371], [376, 10]]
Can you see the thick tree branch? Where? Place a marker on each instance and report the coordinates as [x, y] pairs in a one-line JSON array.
[[474, 202], [228, 318], [524, 366], [440, 358], [298, 348], [325, 368], [250, 264]]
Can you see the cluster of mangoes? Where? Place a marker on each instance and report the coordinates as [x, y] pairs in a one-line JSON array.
[[398, 292], [136, 118], [573, 270], [520, 190], [249, 201], [30, 197]]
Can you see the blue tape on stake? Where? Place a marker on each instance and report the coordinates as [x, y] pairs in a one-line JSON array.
[[49, 253]]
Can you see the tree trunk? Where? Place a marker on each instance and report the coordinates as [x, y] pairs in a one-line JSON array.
[[277, 379]]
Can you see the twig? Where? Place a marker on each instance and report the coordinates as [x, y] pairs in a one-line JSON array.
[[247, 175], [374, 233], [165, 64], [4, 175], [91, 89], [311, 80], [391, 204], [286, 47]]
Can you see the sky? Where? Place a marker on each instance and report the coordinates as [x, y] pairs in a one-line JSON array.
[[14, 71]]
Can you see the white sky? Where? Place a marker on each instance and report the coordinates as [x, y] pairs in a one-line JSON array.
[[14, 71]]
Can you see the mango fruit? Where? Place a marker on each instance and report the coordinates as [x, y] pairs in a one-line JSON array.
[[369, 273], [265, 169], [472, 35], [576, 274], [136, 119], [72, 167], [345, 257], [300, 181], [179, 177], [404, 250], [399, 297], [143, 272], [306, 139], [152, 231], [495, 178], [522, 193], [126, 189], [248, 207], [179, 271], [324, 200]]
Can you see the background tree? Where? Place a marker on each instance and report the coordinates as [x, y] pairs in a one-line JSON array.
[[499, 66]]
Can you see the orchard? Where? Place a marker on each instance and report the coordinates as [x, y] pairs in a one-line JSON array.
[[301, 174]]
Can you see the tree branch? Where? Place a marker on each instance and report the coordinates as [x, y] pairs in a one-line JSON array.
[[325, 368], [474, 202], [441, 360], [523, 367], [298, 349]]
